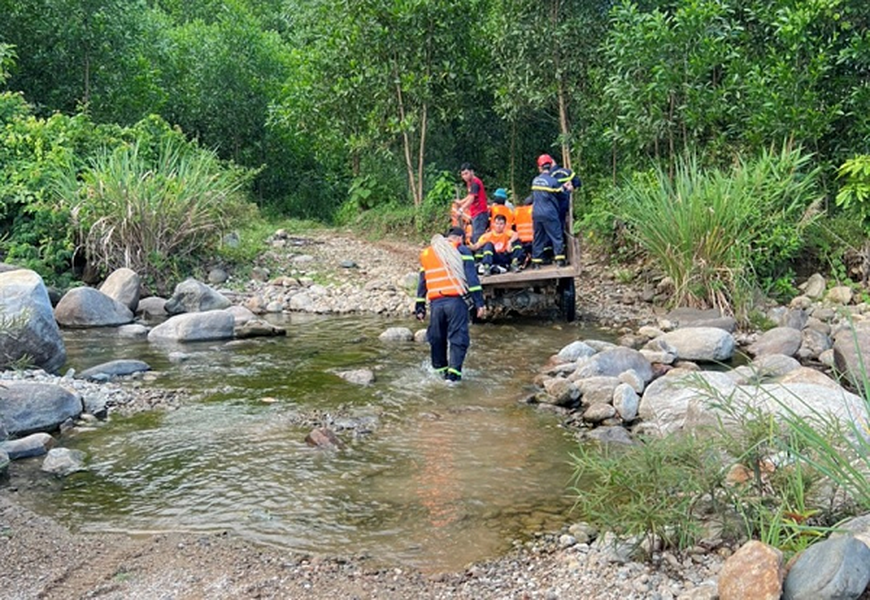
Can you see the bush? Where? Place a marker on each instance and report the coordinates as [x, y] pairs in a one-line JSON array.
[[151, 215], [713, 232]]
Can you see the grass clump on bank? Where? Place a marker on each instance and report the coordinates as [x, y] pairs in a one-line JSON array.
[[716, 232], [786, 480]]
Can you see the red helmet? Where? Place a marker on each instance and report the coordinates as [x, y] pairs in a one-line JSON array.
[[545, 159]]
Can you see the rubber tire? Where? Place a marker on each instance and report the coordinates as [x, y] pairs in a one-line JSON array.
[[568, 299]]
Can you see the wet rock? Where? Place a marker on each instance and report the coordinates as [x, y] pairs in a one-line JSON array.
[[132, 331], [123, 285], [257, 328], [191, 327], [241, 314], [64, 461], [114, 368], [35, 444], [28, 407], [754, 572], [87, 307], [325, 438], [397, 334], [420, 336], [833, 568], [609, 435], [192, 296], [357, 376]]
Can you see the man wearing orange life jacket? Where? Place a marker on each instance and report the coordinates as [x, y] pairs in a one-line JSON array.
[[496, 249], [500, 207], [447, 275], [525, 231]]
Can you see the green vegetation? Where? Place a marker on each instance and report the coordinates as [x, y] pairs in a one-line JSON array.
[[353, 113]]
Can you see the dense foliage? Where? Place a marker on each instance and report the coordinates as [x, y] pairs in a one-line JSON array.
[[346, 107]]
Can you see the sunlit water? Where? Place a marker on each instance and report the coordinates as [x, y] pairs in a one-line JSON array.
[[450, 474]]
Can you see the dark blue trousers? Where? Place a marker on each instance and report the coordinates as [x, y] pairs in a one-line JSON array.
[[448, 329], [548, 234], [478, 226]]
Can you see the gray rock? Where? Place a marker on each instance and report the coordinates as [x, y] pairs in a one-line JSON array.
[[95, 404], [325, 438], [665, 402], [28, 407], [123, 285], [614, 362], [420, 336], [191, 296], [4, 463], [357, 376], [610, 435], [35, 444], [397, 334], [597, 389], [241, 314], [258, 328], [217, 276], [132, 331], [562, 391], [114, 368], [837, 568], [30, 330], [858, 527], [779, 340], [598, 412], [87, 307], [852, 355], [626, 402], [705, 344], [64, 461], [193, 327], [694, 317], [813, 343], [575, 351], [774, 365], [814, 287], [152, 307], [840, 294], [633, 379]]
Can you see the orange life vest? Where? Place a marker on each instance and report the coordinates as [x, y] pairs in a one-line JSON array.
[[500, 241], [505, 211], [439, 283], [523, 222]]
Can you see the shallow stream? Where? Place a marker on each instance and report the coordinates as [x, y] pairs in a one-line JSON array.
[[449, 474]]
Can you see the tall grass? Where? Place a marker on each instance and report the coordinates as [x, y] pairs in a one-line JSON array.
[[153, 215], [712, 231]]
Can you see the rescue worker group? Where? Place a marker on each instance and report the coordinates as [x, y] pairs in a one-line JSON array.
[[488, 240]]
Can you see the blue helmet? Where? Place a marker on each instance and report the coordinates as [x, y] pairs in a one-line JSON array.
[[501, 193]]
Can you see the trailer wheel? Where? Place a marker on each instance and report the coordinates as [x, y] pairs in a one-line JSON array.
[[568, 299]]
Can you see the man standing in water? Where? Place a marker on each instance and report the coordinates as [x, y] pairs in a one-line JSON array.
[[447, 276]]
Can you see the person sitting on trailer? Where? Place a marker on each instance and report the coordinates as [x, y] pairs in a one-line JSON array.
[[500, 207], [496, 248]]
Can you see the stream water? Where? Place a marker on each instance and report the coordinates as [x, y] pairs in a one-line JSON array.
[[449, 474]]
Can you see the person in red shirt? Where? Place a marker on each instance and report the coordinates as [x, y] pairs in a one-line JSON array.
[[474, 203]]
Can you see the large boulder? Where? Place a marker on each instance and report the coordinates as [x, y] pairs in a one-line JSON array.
[[709, 399], [191, 296], [123, 285], [27, 326], [779, 340], [704, 344], [88, 307], [29, 407], [194, 327], [833, 568]]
